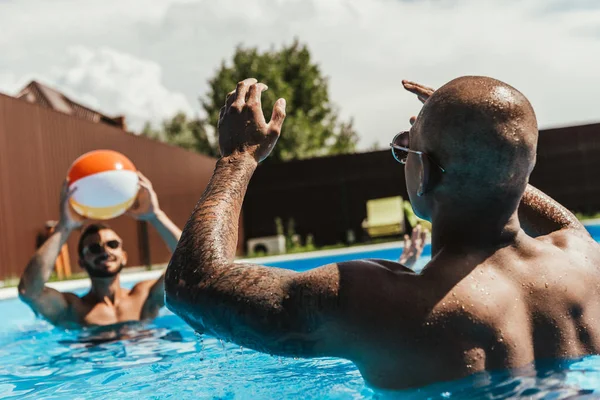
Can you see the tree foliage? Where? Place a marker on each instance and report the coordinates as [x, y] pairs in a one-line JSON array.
[[312, 126], [182, 131]]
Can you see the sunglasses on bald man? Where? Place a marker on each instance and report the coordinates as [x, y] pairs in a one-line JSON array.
[[400, 149]]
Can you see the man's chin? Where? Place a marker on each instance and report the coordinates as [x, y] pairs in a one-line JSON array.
[[103, 271]]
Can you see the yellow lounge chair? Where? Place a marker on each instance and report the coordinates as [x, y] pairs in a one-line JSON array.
[[385, 217]]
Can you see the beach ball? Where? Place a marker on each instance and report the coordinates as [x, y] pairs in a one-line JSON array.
[[106, 182]]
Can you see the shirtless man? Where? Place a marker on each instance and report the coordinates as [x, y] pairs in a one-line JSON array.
[[504, 287], [102, 255]]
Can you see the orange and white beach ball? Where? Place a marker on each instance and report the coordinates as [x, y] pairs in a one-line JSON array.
[[106, 182]]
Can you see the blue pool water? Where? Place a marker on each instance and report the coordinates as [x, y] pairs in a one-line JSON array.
[[165, 359]]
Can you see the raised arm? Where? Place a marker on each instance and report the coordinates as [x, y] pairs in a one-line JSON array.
[[268, 309], [43, 300], [539, 214], [147, 208]]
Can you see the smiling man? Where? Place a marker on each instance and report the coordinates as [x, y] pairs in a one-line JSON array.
[[102, 255]]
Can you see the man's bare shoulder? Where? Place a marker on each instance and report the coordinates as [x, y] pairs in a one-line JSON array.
[[369, 272], [370, 284], [578, 244], [142, 288], [568, 238]]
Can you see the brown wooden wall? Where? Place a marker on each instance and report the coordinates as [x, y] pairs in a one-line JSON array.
[[327, 196], [37, 146]]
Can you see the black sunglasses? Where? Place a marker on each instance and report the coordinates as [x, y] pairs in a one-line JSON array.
[[400, 149], [97, 248]]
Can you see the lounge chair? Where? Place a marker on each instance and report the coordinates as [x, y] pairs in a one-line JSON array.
[[385, 217]]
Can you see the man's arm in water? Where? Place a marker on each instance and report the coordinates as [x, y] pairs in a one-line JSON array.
[[147, 208], [268, 309], [43, 300], [539, 214]]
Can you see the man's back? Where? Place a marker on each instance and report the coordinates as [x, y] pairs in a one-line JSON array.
[[492, 297], [475, 311]]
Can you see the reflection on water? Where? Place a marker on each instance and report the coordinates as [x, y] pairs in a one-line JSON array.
[[128, 331], [574, 379], [165, 359]]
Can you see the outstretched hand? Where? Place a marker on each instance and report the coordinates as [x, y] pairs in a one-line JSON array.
[[423, 93], [69, 218], [146, 204], [242, 126], [413, 246]]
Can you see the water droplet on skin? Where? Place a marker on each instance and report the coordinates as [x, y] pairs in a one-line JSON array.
[[546, 285]]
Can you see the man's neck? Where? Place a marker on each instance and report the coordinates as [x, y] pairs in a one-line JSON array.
[[461, 232], [103, 288]]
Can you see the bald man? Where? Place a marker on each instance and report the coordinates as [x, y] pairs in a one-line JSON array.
[[514, 276]]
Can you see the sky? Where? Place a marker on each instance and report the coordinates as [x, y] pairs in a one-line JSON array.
[[148, 59]]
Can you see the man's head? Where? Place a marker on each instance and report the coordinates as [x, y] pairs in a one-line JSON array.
[[101, 251], [483, 133]]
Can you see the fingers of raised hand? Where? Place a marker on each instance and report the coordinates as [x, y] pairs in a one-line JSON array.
[[422, 92], [416, 233], [277, 117], [67, 192], [229, 99], [424, 235], [254, 93], [239, 98], [71, 192]]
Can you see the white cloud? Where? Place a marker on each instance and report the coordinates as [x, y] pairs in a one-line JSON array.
[[119, 83], [550, 50]]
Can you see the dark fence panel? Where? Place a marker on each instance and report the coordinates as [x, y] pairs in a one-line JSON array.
[[38, 145], [327, 196], [568, 166]]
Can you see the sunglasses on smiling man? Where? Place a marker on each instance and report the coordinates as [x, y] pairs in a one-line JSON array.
[[400, 149], [97, 248]]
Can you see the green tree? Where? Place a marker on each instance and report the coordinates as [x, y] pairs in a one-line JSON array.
[[312, 126], [184, 132]]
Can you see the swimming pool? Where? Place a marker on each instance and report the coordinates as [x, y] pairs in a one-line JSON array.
[[165, 359]]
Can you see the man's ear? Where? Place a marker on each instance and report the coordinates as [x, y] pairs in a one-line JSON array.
[[124, 258], [423, 175], [427, 178]]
